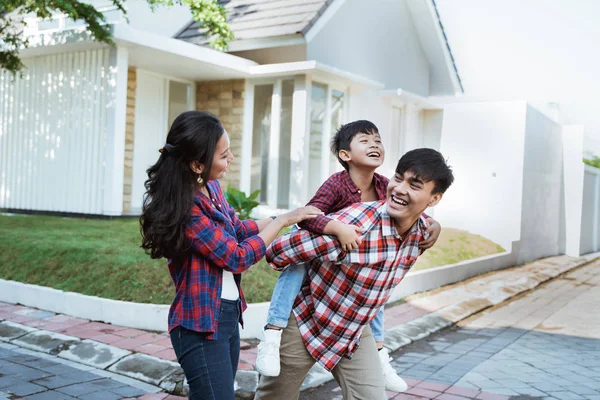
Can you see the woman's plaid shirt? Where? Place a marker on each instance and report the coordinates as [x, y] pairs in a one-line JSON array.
[[344, 291], [219, 242]]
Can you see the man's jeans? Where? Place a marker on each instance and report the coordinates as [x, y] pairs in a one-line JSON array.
[[287, 288], [210, 365]]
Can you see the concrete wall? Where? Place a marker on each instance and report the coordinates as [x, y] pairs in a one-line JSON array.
[[225, 99], [392, 56], [484, 144], [573, 187], [432, 128], [590, 214], [542, 188]]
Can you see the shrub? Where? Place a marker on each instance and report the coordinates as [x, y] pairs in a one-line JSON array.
[[242, 204]]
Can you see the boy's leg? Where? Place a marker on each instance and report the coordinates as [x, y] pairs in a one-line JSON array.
[[286, 289], [295, 364], [361, 377], [393, 382]]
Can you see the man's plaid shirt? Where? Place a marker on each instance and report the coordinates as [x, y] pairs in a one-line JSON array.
[[344, 291]]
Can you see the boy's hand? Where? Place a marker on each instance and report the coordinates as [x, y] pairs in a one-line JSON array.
[[434, 233], [348, 236]]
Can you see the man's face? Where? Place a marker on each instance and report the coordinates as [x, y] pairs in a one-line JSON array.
[[408, 196]]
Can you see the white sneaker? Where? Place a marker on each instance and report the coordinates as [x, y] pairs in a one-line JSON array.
[[267, 360], [392, 381]]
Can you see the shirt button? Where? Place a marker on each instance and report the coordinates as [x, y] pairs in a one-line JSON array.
[[359, 191]]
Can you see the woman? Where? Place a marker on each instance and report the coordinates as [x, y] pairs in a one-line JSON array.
[[186, 219]]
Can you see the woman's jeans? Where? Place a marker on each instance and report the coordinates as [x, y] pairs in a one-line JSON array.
[[210, 365], [287, 288]]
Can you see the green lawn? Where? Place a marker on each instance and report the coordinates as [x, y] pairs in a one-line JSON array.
[[103, 258]]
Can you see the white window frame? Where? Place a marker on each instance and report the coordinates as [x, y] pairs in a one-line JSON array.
[[299, 141]]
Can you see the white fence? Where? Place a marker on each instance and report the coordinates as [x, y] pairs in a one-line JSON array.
[[53, 132], [590, 215]]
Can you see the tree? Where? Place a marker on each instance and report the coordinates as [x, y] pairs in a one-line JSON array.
[[211, 15]]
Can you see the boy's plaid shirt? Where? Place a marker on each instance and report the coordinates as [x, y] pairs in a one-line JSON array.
[[218, 241], [344, 291]]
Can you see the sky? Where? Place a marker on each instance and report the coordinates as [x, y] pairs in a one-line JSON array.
[[536, 50]]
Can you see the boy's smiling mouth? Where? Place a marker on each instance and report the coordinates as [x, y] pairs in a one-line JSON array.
[[374, 154]]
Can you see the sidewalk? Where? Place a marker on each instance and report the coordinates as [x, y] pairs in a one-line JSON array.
[[148, 357]]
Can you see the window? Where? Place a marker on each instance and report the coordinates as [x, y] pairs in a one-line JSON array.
[[261, 132], [180, 99], [326, 116], [269, 165]]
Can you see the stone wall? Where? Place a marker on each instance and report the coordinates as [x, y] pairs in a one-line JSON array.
[[225, 99]]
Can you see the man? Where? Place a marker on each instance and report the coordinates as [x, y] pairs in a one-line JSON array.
[[344, 290]]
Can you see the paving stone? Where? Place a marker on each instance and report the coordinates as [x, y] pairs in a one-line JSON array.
[[49, 395], [22, 372], [128, 391], [104, 395], [6, 381], [24, 389], [95, 354], [53, 382], [11, 330], [45, 341], [79, 389]]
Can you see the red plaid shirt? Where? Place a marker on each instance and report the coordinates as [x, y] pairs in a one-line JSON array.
[[337, 192], [219, 241], [344, 291]]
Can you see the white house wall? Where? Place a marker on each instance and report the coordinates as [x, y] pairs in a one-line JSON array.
[[378, 42], [53, 129], [542, 222], [590, 218], [484, 144]]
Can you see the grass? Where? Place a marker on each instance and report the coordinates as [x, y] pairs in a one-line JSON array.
[[103, 258]]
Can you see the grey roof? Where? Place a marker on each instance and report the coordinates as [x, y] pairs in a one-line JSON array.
[[253, 19]]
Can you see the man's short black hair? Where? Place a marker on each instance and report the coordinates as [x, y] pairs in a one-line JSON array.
[[427, 165], [342, 138]]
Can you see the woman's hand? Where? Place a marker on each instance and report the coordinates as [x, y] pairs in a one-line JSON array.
[[298, 215]]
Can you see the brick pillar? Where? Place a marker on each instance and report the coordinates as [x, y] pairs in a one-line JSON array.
[[225, 99], [129, 132]]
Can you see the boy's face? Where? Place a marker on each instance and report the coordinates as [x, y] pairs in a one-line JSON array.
[[408, 196], [366, 151]]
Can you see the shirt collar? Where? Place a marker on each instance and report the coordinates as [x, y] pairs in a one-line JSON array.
[[389, 229]]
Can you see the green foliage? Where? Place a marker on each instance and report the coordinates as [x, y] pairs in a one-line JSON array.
[[211, 15], [593, 162], [242, 204]]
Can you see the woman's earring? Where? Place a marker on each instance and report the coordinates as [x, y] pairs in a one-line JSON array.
[[200, 180]]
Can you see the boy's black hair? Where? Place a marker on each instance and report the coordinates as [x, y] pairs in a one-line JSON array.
[[427, 165], [342, 138]]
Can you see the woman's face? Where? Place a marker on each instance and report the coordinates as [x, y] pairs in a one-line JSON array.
[[221, 159]]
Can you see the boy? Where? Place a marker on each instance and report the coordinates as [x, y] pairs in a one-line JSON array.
[[345, 289], [358, 148]]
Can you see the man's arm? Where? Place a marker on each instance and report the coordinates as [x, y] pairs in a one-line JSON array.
[[300, 246]]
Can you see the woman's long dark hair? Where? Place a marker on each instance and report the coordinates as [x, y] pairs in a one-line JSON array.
[[171, 183]]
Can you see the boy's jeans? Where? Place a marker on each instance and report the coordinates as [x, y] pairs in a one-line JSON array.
[[287, 288]]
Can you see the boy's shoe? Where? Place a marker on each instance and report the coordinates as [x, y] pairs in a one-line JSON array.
[[392, 381], [267, 360]]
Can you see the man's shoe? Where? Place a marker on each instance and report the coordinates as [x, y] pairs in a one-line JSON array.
[[267, 360], [392, 381]]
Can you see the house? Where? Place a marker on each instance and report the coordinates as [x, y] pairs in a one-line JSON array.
[[80, 128]]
